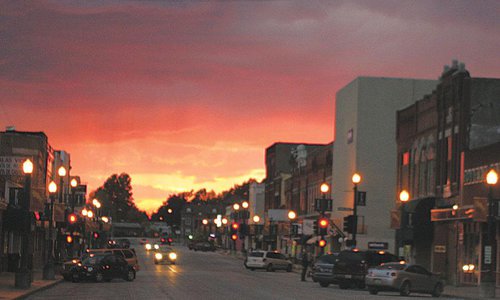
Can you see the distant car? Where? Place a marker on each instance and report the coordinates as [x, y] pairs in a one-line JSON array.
[[322, 270], [102, 267], [203, 246], [351, 266], [404, 278], [268, 260], [165, 255]]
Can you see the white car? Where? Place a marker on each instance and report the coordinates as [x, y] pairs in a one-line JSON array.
[[267, 260]]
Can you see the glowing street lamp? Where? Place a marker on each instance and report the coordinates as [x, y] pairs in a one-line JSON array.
[[324, 188], [292, 215], [28, 167], [169, 210], [244, 204], [204, 221], [404, 196], [48, 269], [356, 179], [488, 282], [236, 206], [256, 219], [224, 221]]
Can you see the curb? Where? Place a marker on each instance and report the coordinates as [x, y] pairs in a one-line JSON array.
[[42, 288]]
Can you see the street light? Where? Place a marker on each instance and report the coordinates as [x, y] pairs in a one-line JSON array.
[[23, 275], [169, 210], [244, 204], [324, 188], [356, 179], [236, 206], [488, 283], [256, 219], [61, 172], [48, 269], [292, 215], [74, 184]]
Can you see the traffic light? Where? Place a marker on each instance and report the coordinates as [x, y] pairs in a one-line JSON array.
[[315, 227], [234, 237], [234, 228], [170, 240], [69, 239], [96, 235], [349, 222], [323, 226], [72, 218], [322, 243]]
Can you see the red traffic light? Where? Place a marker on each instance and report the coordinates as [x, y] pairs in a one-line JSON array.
[[322, 243], [72, 218], [170, 240], [96, 235], [323, 222], [235, 226], [69, 239], [234, 237]]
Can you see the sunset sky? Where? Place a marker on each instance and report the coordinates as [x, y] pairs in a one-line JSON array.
[[187, 95]]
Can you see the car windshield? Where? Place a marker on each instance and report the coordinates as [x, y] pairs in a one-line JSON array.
[[351, 256], [256, 254], [327, 259], [92, 259]]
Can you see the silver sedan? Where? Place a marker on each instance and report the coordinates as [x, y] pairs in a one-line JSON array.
[[405, 278]]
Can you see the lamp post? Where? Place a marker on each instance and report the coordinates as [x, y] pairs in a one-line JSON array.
[[61, 172], [74, 184], [48, 269], [488, 282], [256, 220], [23, 275], [291, 216], [356, 179], [404, 196]]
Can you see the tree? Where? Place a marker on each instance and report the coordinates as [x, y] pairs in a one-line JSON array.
[[117, 200]]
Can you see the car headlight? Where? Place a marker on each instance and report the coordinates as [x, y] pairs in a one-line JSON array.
[[148, 246], [90, 269], [157, 247], [158, 256], [172, 256]]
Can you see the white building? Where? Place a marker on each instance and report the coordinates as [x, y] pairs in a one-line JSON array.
[[365, 142]]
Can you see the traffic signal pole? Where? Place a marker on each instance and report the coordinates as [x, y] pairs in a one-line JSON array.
[[355, 214]]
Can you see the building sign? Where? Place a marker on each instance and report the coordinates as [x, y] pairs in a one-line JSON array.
[[478, 175], [11, 165], [487, 255]]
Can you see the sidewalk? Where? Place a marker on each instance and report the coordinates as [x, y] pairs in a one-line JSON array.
[[466, 292], [8, 291]]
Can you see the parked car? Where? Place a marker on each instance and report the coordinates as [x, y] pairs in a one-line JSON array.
[[322, 270], [203, 246], [267, 260], [102, 267], [351, 266], [128, 254], [404, 278], [165, 255]]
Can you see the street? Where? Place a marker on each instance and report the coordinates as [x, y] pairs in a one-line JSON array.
[[204, 275]]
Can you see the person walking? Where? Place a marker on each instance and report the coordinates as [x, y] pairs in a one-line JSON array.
[[305, 265]]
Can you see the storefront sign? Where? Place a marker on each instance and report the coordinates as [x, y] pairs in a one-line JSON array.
[[487, 255], [478, 175], [11, 165], [378, 245]]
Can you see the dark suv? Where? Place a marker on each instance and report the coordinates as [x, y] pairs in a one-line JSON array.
[[322, 270], [351, 266]]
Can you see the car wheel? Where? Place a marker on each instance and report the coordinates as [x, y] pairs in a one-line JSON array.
[[130, 275], [344, 285], [405, 289], [270, 268], [324, 284], [373, 291], [438, 289], [289, 268], [99, 277]]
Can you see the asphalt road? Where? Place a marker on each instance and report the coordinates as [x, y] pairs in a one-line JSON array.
[[204, 275]]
